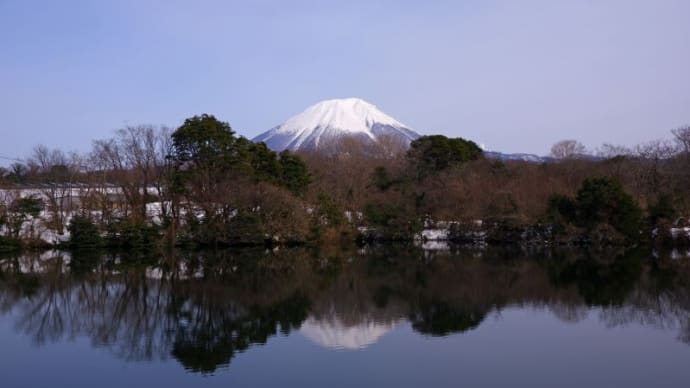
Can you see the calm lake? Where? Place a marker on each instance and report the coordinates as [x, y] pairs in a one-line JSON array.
[[380, 317]]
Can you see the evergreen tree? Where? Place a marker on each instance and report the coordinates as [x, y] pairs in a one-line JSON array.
[[294, 173], [430, 154], [604, 200]]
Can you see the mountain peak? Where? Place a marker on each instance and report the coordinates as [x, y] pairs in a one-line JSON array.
[[324, 123]]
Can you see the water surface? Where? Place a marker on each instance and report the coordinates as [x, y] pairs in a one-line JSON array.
[[391, 316]]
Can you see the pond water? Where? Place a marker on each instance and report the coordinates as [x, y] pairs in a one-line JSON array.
[[387, 316]]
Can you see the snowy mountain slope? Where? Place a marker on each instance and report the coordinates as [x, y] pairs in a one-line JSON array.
[[520, 157], [534, 158], [323, 125]]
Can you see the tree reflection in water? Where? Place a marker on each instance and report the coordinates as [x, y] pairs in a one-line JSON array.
[[203, 309]]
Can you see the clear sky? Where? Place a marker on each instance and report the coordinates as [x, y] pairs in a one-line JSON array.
[[516, 75]]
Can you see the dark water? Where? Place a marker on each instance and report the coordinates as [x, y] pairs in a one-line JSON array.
[[393, 317]]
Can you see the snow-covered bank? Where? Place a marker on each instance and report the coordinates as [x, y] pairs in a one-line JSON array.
[[49, 224]]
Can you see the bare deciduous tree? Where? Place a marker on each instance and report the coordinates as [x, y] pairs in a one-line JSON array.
[[135, 159], [392, 146], [682, 137], [567, 149], [56, 172], [609, 151], [652, 157]]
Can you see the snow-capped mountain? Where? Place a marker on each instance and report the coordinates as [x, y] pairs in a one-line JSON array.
[[323, 126]]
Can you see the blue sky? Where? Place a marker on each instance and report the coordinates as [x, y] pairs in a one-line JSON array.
[[514, 75]]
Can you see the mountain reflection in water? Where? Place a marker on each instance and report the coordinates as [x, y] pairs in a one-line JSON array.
[[203, 309]]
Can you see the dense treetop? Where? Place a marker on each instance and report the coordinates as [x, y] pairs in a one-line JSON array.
[[438, 152]]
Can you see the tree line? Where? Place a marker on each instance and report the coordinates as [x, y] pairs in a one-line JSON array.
[[203, 184]]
